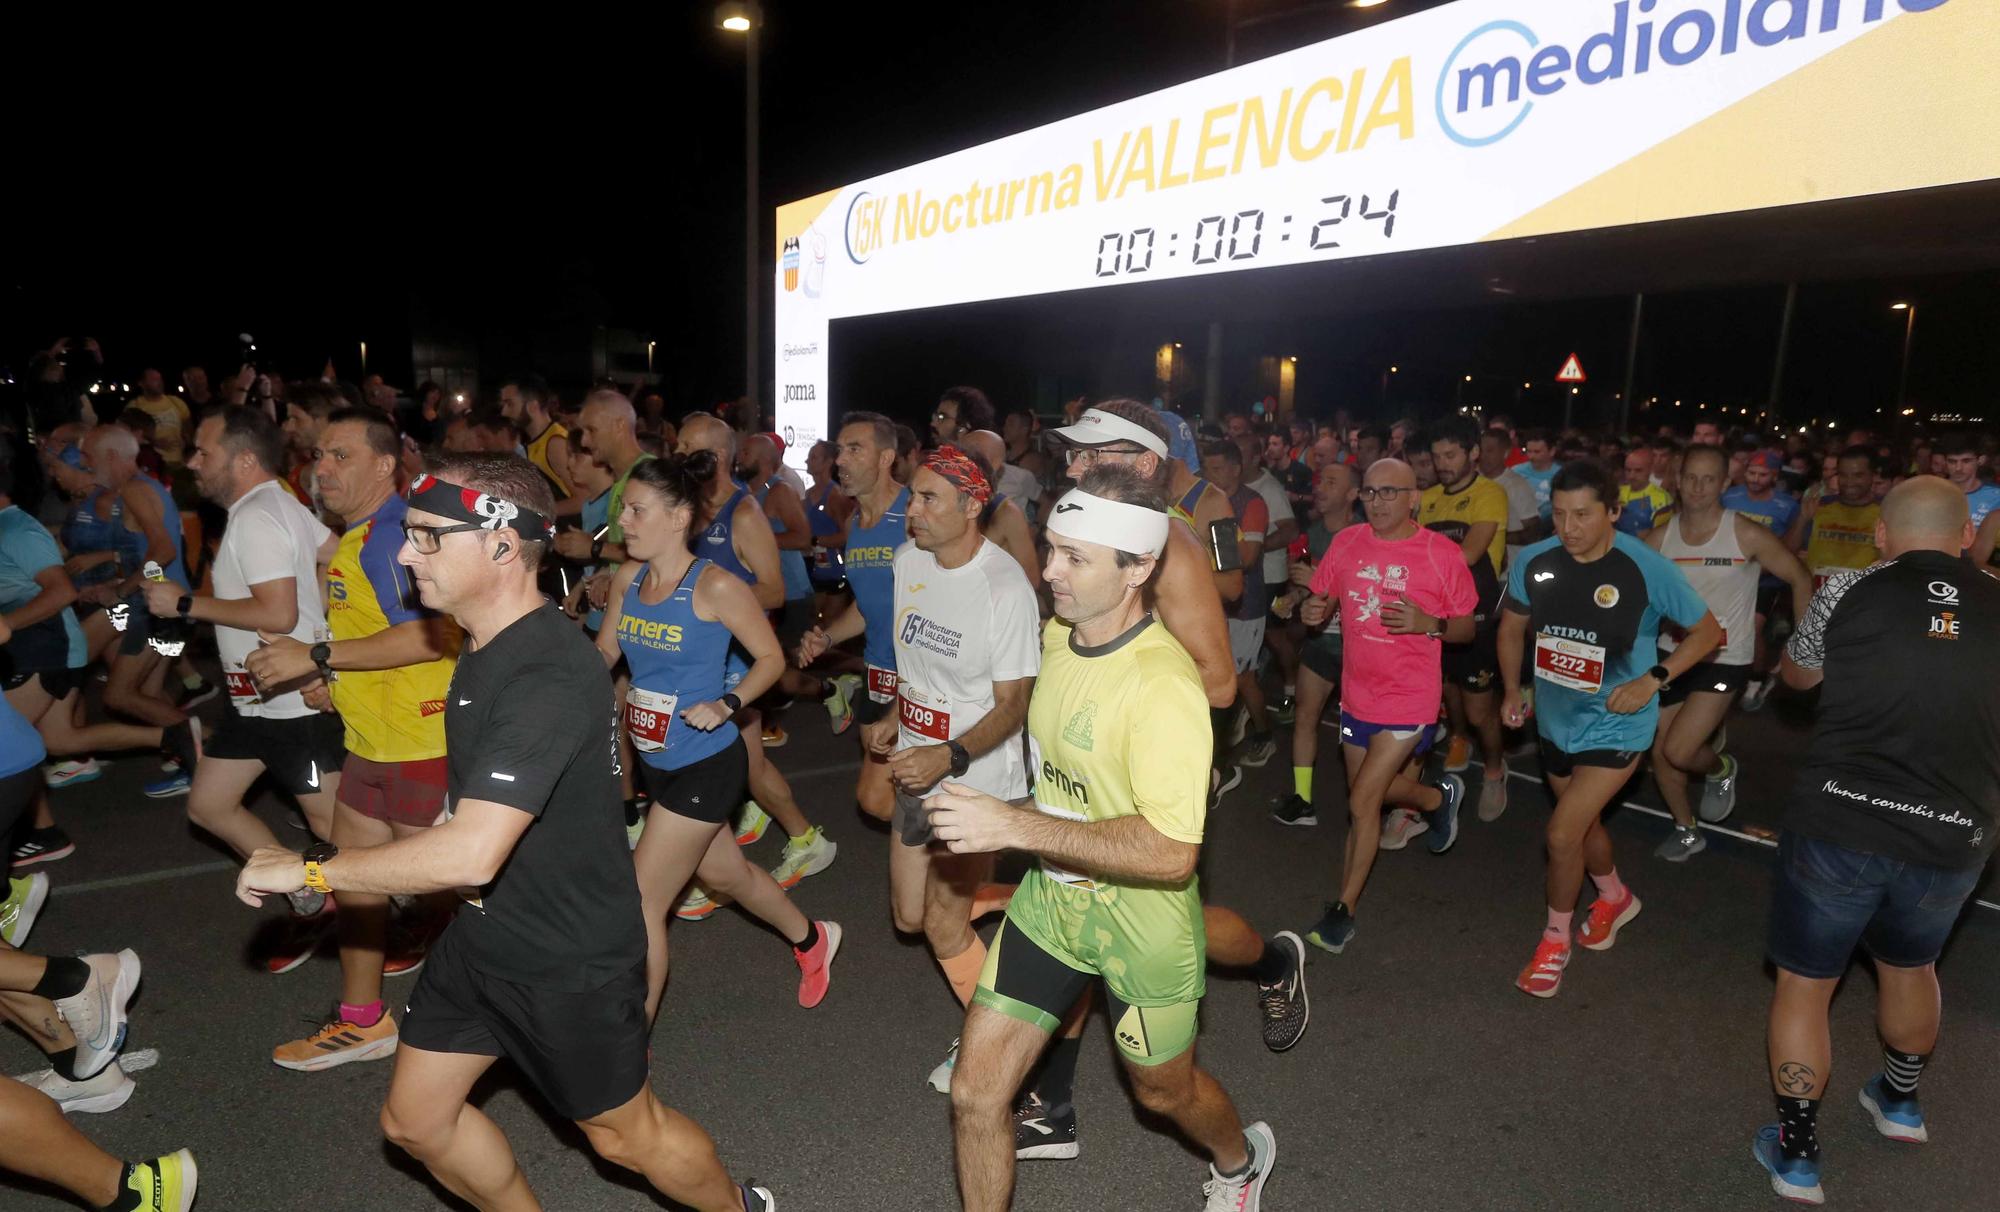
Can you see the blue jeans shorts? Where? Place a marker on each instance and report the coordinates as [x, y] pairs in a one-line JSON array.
[[1829, 899]]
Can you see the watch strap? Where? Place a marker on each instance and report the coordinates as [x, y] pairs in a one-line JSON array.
[[185, 606], [732, 701], [961, 758]]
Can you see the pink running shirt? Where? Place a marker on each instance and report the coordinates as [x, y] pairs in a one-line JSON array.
[[1392, 679]]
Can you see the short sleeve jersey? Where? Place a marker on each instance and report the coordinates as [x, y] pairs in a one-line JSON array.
[[270, 536], [1640, 508], [1392, 679], [529, 724], [1453, 514], [1982, 501], [27, 548], [1905, 754], [1254, 520], [1595, 626], [392, 715], [1539, 481], [1280, 508]]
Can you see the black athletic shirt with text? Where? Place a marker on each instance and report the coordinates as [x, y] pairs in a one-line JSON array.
[[528, 723], [1905, 756]]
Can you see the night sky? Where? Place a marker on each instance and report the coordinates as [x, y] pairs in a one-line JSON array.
[[521, 180]]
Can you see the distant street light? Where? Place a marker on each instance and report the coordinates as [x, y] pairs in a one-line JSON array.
[[744, 18], [1903, 375]]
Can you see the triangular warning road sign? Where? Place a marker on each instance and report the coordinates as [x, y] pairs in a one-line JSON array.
[[1572, 371]]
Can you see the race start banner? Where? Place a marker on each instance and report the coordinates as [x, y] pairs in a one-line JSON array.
[[1475, 121]]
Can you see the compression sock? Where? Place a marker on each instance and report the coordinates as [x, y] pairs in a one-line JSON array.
[[963, 969], [1557, 931], [1900, 1069], [1273, 965], [1057, 1085], [362, 1016], [64, 977], [1302, 782], [1610, 888], [1798, 1131]]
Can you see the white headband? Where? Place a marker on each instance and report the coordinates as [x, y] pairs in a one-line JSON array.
[[1096, 428], [1132, 529]]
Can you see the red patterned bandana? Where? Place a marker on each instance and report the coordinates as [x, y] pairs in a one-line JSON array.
[[956, 466]]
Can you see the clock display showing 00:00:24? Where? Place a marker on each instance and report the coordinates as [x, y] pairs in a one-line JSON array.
[[1239, 237]]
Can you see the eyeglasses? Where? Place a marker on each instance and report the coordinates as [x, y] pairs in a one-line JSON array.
[[1387, 494], [427, 539], [1085, 456]]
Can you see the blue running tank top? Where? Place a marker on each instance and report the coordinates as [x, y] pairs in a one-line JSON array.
[[718, 542], [827, 569], [792, 563], [676, 653], [85, 533], [871, 574]]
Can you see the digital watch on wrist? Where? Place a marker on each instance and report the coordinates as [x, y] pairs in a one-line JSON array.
[[961, 760], [1659, 674], [316, 856]]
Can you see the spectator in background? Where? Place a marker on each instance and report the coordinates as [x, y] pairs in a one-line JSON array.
[[1640, 499], [1961, 466], [1524, 516], [1706, 433], [194, 389], [652, 409], [907, 450], [1541, 466], [1020, 431], [959, 410], [1367, 446], [307, 406], [140, 422]]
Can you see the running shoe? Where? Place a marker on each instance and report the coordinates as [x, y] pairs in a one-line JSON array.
[[1259, 750], [1607, 918], [169, 765], [1794, 1178], [1896, 1116], [1284, 1004], [815, 975], [43, 846], [1334, 930], [1493, 796], [96, 1013], [1443, 820], [806, 855], [70, 772], [940, 1078], [338, 1042], [1544, 973], [298, 939], [634, 830], [109, 1090], [1221, 782], [168, 787], [751, 822], [1718, 793], [839, 702], [26, 894], [1245, 1191], [198, 694], [1296, 810], [164, 1184], [1681, 845], [775, 737], [698, 905], [1239, 726], [1755, 691], [1402, 825], [1285, 709], [409, 943], [1043, 1133], [183, 743], [1458, 755], [758, 1199]]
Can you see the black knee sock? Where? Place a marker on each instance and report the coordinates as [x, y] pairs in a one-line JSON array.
[[811, 939], [1902, 1069], [1057, 1085], [1272, 966], [64, 977], [1798, 1131]]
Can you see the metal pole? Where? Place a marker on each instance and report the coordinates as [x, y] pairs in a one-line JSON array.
[[1784, 346], [1211, 379], [1631, 363], [752, 231], [1903, 376]]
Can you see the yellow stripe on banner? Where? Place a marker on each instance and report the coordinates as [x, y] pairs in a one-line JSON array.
[[795, 217], [1905, 106]]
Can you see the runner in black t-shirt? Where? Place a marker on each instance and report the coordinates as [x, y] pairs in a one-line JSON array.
[[1892, 819], [546, 961]]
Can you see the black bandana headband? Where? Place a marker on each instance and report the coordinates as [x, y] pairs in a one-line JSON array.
[[433, 495]]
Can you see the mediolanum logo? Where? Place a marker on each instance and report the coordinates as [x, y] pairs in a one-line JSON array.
[[1493, 78]]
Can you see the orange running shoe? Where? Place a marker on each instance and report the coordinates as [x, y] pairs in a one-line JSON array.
[[336, 1043], [1544, 973], [1458, 755], [1600, 929]]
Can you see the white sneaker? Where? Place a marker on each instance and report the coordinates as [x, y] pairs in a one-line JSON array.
[[1402, 825], [800, 861], [940, 1078], [107, 1091], [96, 1013], [26, 894], [698, 905], [1245, 1192], [1493, 797]]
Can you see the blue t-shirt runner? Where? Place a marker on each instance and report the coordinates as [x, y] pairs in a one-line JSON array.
[[871, 574], [1592, 628]]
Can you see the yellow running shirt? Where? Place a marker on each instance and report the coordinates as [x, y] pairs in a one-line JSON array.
[[392, 715], [1842, 538]]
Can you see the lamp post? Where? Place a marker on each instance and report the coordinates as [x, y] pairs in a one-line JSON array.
[[745, 18], [1903, 375]]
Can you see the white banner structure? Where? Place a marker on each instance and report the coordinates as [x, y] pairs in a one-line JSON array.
[[1475, 121]]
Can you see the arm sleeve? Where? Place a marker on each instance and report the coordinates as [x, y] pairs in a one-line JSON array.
[[1168, 746], [523, 745], [1807, 647]]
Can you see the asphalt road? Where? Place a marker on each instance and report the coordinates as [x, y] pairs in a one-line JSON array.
[[1425, 1081]]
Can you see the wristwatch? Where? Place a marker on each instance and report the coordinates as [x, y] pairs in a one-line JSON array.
[[961, 760], [185, 606], [322, 658], [733, 702], [1659, 674], [315, 856]]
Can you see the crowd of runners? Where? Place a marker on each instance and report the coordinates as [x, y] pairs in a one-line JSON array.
[[526, 670]]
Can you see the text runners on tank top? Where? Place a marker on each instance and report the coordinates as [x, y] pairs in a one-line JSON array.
[[871, 574], [1726, 579], [676, 658]]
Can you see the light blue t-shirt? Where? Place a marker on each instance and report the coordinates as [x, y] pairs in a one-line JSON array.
[[26, 548], [1539, 481], [1982, 501]]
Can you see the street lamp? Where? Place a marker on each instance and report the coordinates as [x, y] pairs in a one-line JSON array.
[[744, 18], [1909, 330]]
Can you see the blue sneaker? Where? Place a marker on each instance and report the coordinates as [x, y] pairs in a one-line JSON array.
[[1795, 1178], [1896, 1116], [1334, 931], [1444, 819], [169, 787]]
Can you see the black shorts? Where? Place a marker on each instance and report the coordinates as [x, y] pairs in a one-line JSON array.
[[708, 790], [56, 682], [299, 754], [585, 1052], [1768, 597], [793, 620], [1474, 665], [1705, 678], [1321, 654], [1562, 763], [139, 626], [868, 711], [17, 795]]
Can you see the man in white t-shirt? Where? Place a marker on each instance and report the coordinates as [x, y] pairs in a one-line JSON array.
[[1524, 512], [1279, 636], [967, 651], [266, 580]]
